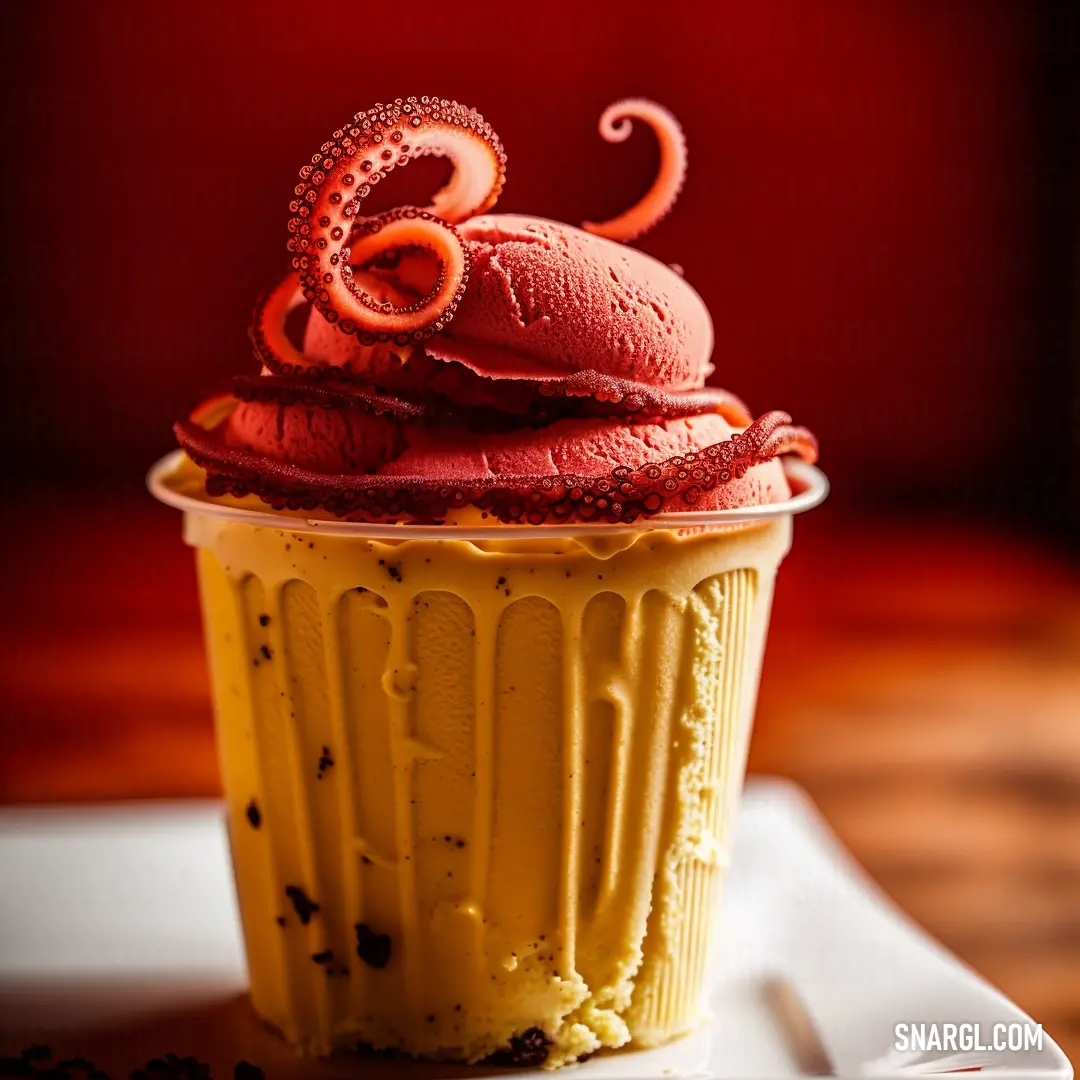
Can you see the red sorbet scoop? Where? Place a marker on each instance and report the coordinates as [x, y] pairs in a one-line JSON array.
[[546, 300], [425, 359]]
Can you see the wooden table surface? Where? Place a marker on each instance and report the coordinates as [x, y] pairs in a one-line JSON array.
[[922, 682]]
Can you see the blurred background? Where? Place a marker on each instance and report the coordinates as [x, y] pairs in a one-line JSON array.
[[881, 213]]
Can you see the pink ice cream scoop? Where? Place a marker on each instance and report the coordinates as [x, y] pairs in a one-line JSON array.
[[333, 440], [549, 298]]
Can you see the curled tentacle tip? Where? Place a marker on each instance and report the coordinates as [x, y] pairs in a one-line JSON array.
[[615, 126], [617, 120], [794, 439], [330, 235]]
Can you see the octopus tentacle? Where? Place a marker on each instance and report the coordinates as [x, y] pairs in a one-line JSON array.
[[403, 228], [620, 397], [213, 411], [615, 125], [273, 349], [271, 344], [326, 217], [623, 495], [328, 394], [791, 439], [576, 396]]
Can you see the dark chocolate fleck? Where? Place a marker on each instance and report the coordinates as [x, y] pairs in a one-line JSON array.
[[500, 583], [265, 650], [170, 1067], [527, 1050], [280, 920], [326, 761], [303, 906], [372, 948], [365, 860], [246, 1071], [253, 814], [264, 620], [394, 570], [325, 959], [459, 843], [384, 1053]]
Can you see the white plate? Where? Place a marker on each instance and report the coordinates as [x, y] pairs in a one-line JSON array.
[[123, 920]]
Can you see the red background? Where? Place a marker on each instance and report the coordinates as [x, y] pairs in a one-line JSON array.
[[864, 214], [881, 214]]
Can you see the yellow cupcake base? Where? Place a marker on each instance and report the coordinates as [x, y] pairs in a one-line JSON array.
[[511, 765]]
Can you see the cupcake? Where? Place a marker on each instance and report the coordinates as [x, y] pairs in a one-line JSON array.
[[486, 573]]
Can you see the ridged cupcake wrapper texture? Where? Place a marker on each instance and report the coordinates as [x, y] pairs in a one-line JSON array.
[[480, 794]]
